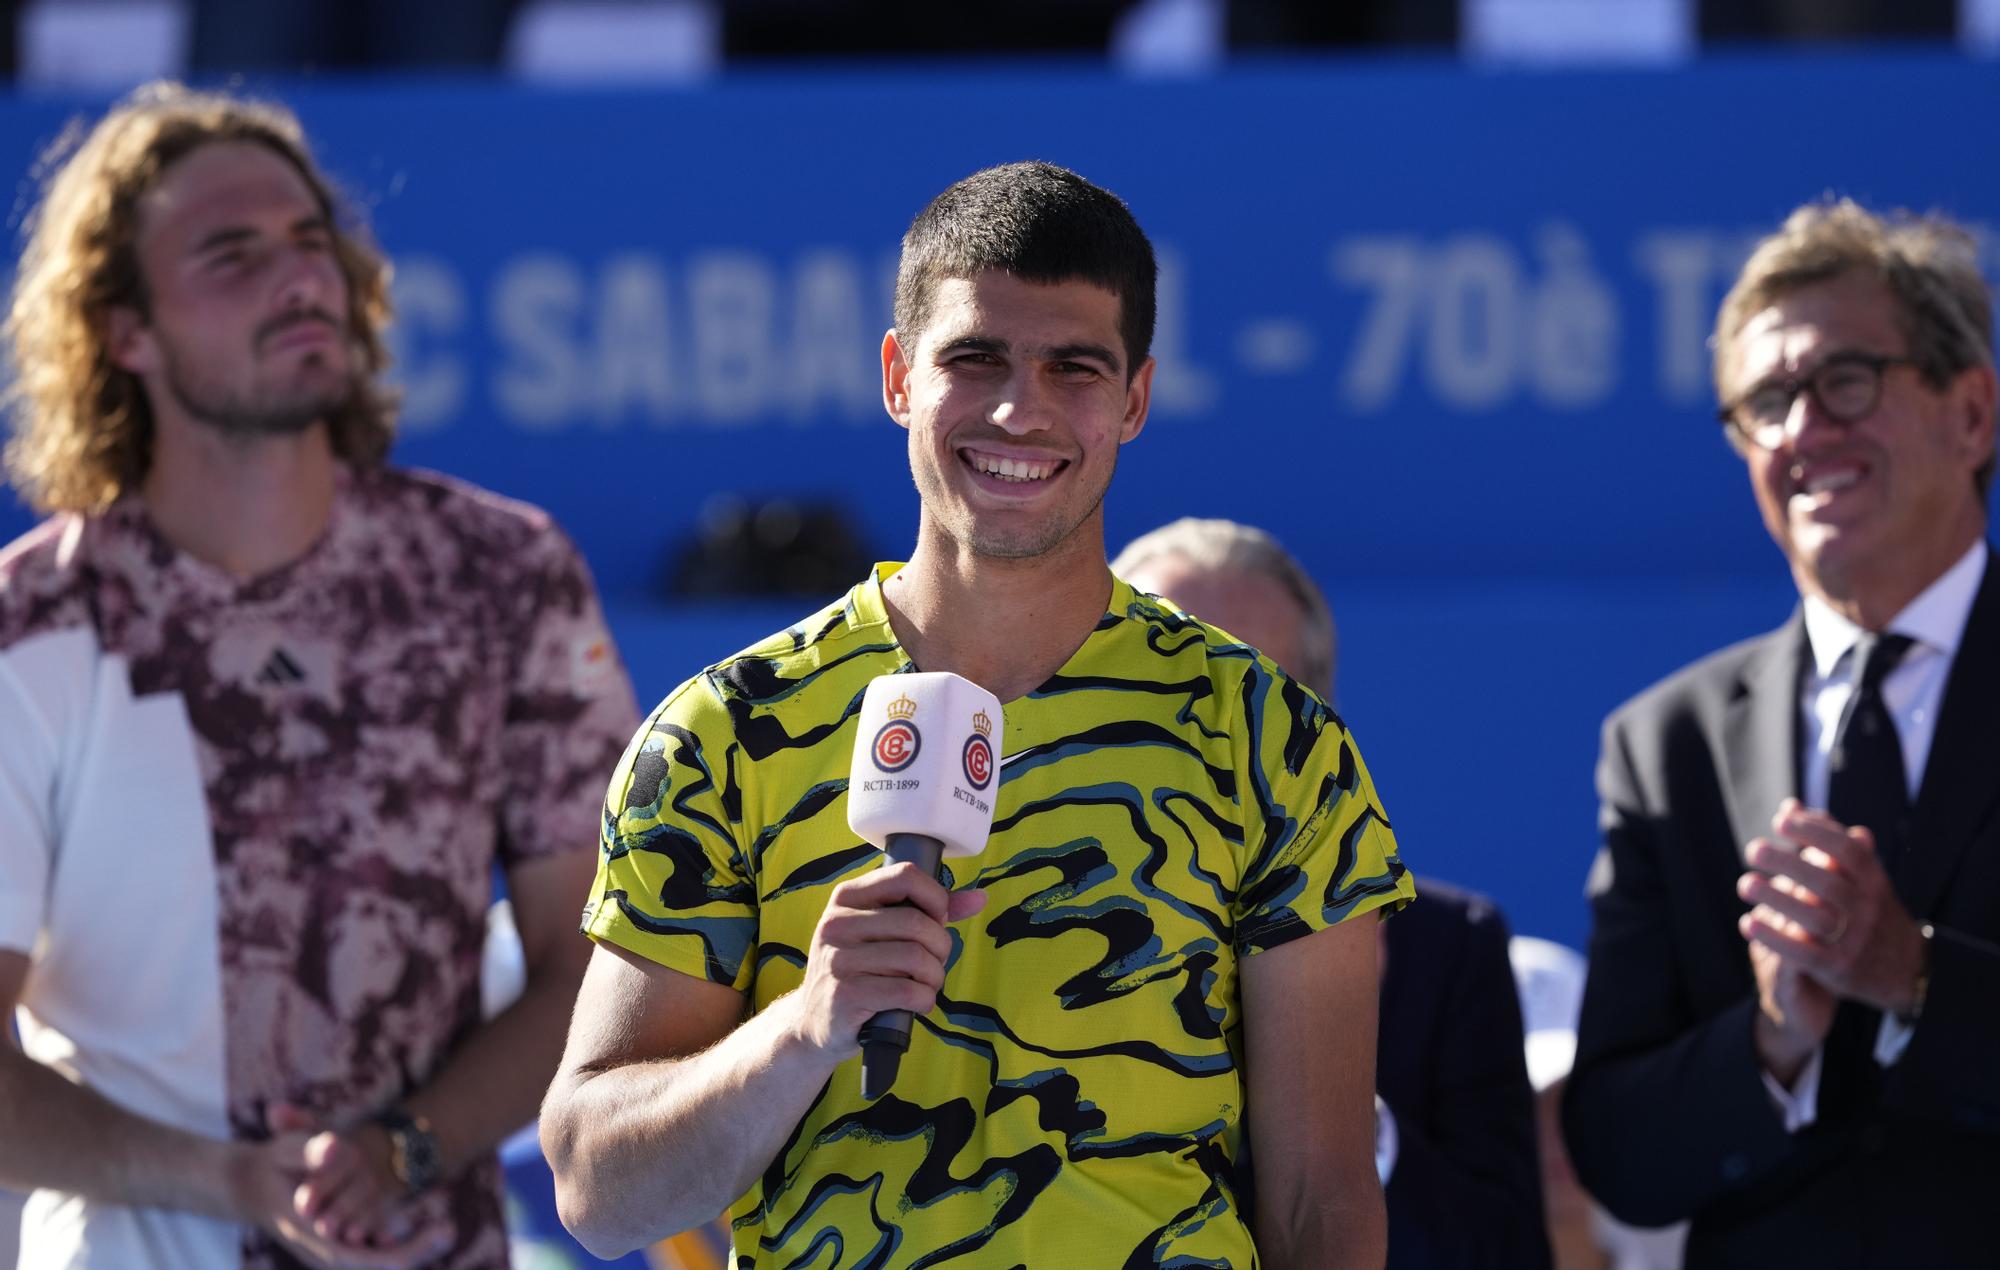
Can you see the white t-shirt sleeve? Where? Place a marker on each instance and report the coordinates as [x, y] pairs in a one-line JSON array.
[[29, 753]]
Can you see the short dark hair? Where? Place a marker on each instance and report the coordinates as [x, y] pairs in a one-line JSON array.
[[1040, 223]]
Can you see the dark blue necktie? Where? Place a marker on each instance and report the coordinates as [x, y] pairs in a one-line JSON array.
[[1865, 786], [1865, 780]]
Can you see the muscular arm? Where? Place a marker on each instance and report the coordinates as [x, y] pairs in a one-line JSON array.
[[142, 1162], [62, 1136], [665, 1110], [1309, 1044]]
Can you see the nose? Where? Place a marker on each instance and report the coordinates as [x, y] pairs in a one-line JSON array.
[[1024, 405], [1807, 424], [309, 280]]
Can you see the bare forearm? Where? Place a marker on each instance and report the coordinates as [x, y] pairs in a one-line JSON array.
[[646, 1150], [494, 1081], [1323, 1225], [61, 1136]]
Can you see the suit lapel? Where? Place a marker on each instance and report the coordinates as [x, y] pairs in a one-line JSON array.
[[1961, 779], [1761, 732]]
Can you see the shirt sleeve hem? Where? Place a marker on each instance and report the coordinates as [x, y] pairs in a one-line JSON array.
[[608, 926]]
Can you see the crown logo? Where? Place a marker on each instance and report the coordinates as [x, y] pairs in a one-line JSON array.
[[981, 724], [902, 707]]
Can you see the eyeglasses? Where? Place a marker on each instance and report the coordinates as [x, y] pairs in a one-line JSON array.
[[1846, 387]]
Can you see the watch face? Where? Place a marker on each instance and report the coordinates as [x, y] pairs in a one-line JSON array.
[[422, 1162]]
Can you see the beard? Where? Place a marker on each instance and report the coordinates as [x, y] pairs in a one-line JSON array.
[[320, 386]]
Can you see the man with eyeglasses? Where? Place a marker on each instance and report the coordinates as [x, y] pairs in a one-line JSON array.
[[1791, 1032]]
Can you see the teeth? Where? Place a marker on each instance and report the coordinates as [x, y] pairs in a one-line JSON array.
[[1827, 482], [1011, 469]]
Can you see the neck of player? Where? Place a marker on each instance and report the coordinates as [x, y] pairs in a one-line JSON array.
[[246, 505], [1005, 624]]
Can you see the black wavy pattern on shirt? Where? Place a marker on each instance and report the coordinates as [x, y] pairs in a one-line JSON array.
[[720, 968], [748, 685], [775, 951], [947, 1130], [1141, 1051], [1193, 689], [810, 804], [1223, 1192], [649, 784], [819, 869], [1125, 931], [1127, 732], [1307, 718]]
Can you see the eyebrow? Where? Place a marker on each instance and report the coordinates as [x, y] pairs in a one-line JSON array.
[[1053, 353], [1782, 376], [230, 235]]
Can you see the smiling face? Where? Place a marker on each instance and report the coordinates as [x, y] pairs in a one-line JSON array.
[[1016, 397], [244, 323], [1868, 512]]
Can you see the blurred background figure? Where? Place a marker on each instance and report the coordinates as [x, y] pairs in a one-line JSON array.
[[1455, 1120], [1581, 1234], [347, 696]]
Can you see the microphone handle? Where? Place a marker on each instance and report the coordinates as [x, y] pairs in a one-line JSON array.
[[887, 1035]]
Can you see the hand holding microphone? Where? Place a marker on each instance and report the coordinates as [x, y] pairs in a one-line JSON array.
[[922, 784]]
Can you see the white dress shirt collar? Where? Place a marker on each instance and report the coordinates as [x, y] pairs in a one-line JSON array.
[[1935, 619]]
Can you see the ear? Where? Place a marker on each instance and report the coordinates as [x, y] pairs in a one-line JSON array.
[[895, 380], [1977, 393], [128, 340], [1138, 400]]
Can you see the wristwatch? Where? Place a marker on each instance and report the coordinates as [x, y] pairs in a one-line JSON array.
[[413, 1149]]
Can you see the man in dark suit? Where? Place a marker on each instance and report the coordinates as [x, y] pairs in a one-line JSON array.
[[1455, 1140], [1791, 1030]]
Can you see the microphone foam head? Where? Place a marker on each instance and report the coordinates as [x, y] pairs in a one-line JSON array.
[[926, 761]]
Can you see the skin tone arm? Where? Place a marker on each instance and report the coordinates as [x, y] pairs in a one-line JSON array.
[[490, 1086], [143, 1163], [668, 1105], [1309, 1046]]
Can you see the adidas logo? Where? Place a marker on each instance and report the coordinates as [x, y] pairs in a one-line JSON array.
[[281, 671]]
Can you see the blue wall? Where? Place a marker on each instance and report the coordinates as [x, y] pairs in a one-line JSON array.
[[1439, 329]]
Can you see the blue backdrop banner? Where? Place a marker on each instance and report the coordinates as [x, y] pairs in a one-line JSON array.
[[1441, 330]]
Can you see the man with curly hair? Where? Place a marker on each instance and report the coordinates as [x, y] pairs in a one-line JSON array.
[[275, 712]]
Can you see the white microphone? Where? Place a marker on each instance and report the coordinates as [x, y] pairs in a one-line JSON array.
[[921, 787]]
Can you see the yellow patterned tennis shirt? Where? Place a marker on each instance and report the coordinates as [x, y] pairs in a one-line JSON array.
[[1169, 803]]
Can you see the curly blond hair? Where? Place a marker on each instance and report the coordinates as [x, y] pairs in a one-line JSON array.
[[83, 426]]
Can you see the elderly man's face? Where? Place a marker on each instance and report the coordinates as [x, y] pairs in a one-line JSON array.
[[1251, 606]]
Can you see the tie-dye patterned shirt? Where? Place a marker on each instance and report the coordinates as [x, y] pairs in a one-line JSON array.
[[248, 828], [1169, 804]]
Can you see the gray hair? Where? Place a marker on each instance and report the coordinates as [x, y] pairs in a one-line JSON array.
[[1225, 544]]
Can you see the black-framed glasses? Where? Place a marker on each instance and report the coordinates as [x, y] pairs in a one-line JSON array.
[[1846, 387]]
